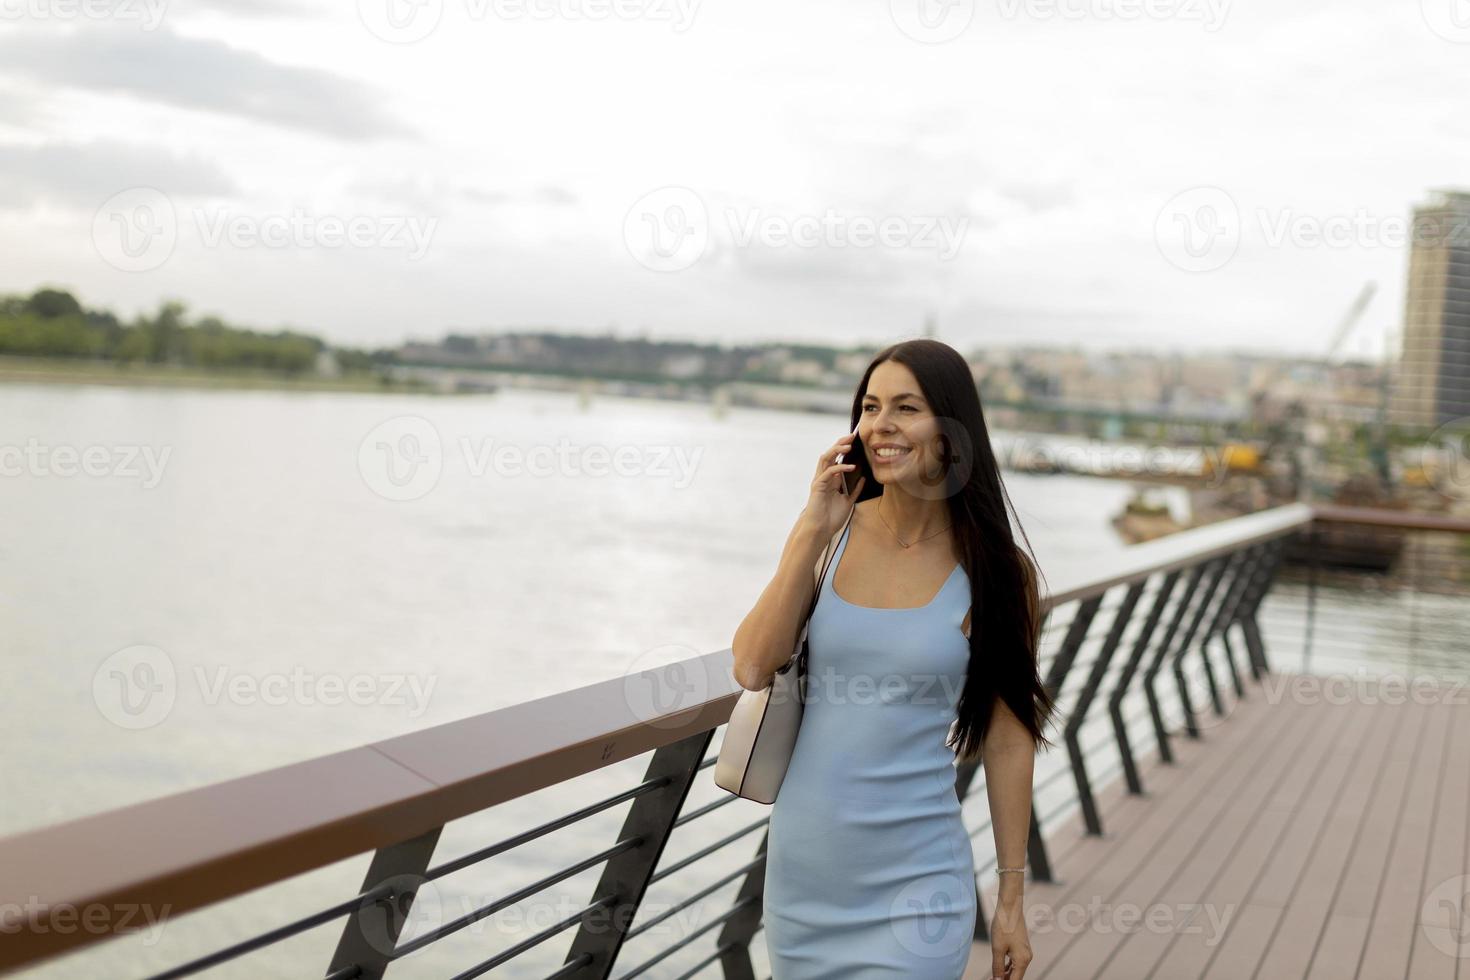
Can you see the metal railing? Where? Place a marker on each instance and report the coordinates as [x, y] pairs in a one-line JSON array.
[[1138, 650], [1374, 591]]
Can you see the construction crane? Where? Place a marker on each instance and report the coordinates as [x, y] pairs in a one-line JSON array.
[[1285, 431], [1351, 318], [1344, 327]]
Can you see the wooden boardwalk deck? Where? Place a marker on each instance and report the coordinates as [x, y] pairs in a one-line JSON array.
[[1319, 836]]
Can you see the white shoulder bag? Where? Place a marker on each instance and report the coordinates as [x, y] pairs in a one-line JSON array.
[[763, 726]]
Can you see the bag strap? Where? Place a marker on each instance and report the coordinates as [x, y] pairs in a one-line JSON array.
[[827, 556]]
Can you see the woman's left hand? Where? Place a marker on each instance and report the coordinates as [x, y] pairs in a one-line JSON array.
[[1008, 940]]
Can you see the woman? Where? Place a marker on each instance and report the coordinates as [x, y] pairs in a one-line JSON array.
[[869, 870]]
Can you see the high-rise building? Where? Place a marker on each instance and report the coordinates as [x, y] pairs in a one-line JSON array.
[[1432, 380]]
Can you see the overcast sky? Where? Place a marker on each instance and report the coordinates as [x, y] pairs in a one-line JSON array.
[[1110, 174]]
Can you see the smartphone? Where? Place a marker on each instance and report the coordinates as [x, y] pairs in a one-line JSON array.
[[850, 478]]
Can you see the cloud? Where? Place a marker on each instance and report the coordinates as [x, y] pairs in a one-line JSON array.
[[434, 193], [205, 75], [811, 266], [555, 195], [1038, 197], [86, 174], [18, 112], [252, 8]]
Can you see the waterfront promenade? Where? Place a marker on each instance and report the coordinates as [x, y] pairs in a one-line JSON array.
[[1320, 833]]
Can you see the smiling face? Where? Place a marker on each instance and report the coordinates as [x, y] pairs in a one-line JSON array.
[[898, 428]]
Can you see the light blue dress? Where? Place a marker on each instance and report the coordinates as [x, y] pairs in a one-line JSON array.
[[869, 871]]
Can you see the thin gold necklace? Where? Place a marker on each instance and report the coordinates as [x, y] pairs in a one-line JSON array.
[[895, 533]]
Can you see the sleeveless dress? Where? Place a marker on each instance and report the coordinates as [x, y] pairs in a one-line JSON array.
[[869, 870]]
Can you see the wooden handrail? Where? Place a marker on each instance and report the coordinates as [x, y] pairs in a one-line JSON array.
[[163, 857], [1374, 517]]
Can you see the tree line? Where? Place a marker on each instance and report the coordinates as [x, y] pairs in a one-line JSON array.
[[53, 323]]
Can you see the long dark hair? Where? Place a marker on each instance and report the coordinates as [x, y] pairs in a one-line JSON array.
[[1005, 582]]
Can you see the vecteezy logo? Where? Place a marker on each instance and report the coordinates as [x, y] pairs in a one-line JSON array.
[[1445, 916], [924, 915], [135, 687], [659, 681], [400, 21], [136, 230], [1199, 229], [1446, 455], [401, 459], [1450, 19], [943, 462], [667, 230], [411, 899], [932, 21]]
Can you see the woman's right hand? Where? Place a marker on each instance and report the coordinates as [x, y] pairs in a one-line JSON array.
[[828, 506]]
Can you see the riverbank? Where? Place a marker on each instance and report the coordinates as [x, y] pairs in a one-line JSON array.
[[56, 370], [421, 379]]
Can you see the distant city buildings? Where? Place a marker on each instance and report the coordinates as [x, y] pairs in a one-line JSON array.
[[1432, 380], [1208, 387]]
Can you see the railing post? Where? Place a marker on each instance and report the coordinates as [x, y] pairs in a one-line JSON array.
[[625, 877], [1246, 615], [1312, 562], [1067, 654], [740, 928], [1161, 733], [1036, 857], [1125, 678], [1177, 664], [1095, 676], [1235, 574], [1244, 575], [370, 935]]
